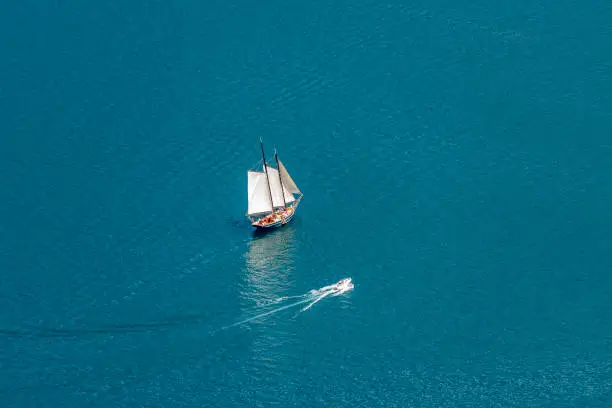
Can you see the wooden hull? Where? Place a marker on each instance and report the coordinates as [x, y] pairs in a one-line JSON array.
[[277, 224]]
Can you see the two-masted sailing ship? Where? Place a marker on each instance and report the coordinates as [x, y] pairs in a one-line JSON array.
[[273, 195]]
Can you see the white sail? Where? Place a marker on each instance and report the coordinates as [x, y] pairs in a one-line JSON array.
[[287, 180], [259, 196], [277, 191]]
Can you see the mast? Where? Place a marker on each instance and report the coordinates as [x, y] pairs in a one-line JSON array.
[[280, 179], [266, 171]]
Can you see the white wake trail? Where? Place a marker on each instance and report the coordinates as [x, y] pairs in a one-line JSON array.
[[334, 290], [318, 299], [283, 298], [259, 316], [312, 296]]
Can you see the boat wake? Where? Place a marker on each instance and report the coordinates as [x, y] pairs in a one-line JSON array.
[[312, 296], [284, 298], [316, 300], [333, 290]]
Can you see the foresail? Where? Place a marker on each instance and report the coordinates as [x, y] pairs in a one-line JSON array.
[[277, 192], [287, 180], [259, 197]]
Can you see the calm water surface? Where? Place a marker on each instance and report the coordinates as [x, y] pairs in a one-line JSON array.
[[455, 160]]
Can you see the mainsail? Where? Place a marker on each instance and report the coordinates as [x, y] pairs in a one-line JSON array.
[[288, 182], [277, 191], [259, 197]]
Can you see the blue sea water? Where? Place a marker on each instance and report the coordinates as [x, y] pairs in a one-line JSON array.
[[455, 162]]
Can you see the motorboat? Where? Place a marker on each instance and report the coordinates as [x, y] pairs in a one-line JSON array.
[[343, 285]]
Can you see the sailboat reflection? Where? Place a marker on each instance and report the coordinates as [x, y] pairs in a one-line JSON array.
[[267, 288], [269, 262]]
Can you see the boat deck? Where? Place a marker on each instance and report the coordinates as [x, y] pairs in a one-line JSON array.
[[276, 219]]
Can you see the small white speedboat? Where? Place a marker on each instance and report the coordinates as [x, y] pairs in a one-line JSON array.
[[343, 286]]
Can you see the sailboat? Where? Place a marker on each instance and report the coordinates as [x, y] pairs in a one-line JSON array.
[[273, 195]]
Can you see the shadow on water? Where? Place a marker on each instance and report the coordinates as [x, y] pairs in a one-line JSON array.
[[267, 251], [127, 328], [49, 332]]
